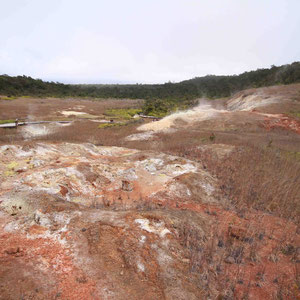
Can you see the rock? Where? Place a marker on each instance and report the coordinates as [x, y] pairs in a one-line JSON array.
[[220, 244], [15, 251], [126, 186], [237, 232], [229, 260], [63, 190], [12, 250], [41, 219]]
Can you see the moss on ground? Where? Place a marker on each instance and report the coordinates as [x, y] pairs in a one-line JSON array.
[[6, 121], [7, 98], [294, 114], [110, 125], [123, 113], [293, 155]]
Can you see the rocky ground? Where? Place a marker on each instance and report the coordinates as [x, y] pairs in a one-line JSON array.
[[81, 221]]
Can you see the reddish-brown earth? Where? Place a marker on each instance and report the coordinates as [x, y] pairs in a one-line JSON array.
[[71, 229], [79, 221], [283, 122]]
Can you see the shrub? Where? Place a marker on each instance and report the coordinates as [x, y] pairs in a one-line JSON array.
[[123, 113]]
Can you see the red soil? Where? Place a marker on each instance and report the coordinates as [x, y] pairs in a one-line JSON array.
[[283, 122], [49, 260]]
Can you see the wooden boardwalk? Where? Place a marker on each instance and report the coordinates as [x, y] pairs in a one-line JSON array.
[[13, 125]]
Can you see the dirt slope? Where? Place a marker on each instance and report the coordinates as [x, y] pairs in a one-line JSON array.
[[79, 221]]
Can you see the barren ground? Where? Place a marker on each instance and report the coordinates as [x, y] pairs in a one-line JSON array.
[[203, 204]]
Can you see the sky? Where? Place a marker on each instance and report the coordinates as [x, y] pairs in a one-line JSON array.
[[145, 41]]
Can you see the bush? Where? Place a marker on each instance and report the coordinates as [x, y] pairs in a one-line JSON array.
[[122, 113]]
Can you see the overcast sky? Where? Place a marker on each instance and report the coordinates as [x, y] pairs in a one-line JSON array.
[[145, 41]]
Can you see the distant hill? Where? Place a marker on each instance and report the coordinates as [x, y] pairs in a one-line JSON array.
[[210, 86], [160, 96]]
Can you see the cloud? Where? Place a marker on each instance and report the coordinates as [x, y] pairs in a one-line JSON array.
[[145, 41]]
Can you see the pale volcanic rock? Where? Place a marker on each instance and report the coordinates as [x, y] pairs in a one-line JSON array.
[[84, 222], [92, 175]]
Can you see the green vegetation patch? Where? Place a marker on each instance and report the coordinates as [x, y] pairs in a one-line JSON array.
[[295, 114], [160, 108], [87, 116], [6, 121], [293, 155], [7, 98], [110, 125], [123, 113]]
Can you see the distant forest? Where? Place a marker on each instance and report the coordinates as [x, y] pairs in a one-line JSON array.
[[159, 97]]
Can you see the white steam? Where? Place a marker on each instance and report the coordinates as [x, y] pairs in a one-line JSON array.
[[204, 111], [31, 131], [210, 110]]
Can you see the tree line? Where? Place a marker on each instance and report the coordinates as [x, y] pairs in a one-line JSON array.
[[158, 96]]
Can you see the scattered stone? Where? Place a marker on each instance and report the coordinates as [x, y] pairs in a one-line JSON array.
[[237, 232], [41, 219], [288, 249], [15, 251], [81, 279], [126, 186], [220, 244], [229, 260], [63, 190]]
